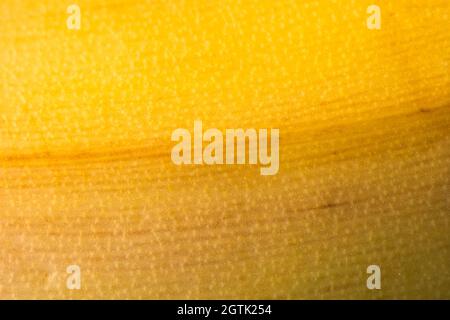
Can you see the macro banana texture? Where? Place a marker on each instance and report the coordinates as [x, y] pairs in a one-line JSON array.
[[87, 180]]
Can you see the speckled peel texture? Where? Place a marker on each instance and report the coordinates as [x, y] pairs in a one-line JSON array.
[[86, 176]]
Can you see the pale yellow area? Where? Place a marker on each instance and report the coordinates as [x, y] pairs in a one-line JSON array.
[[86, 176]]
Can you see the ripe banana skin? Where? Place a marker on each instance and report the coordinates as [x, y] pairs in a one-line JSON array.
[[86, 176]]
